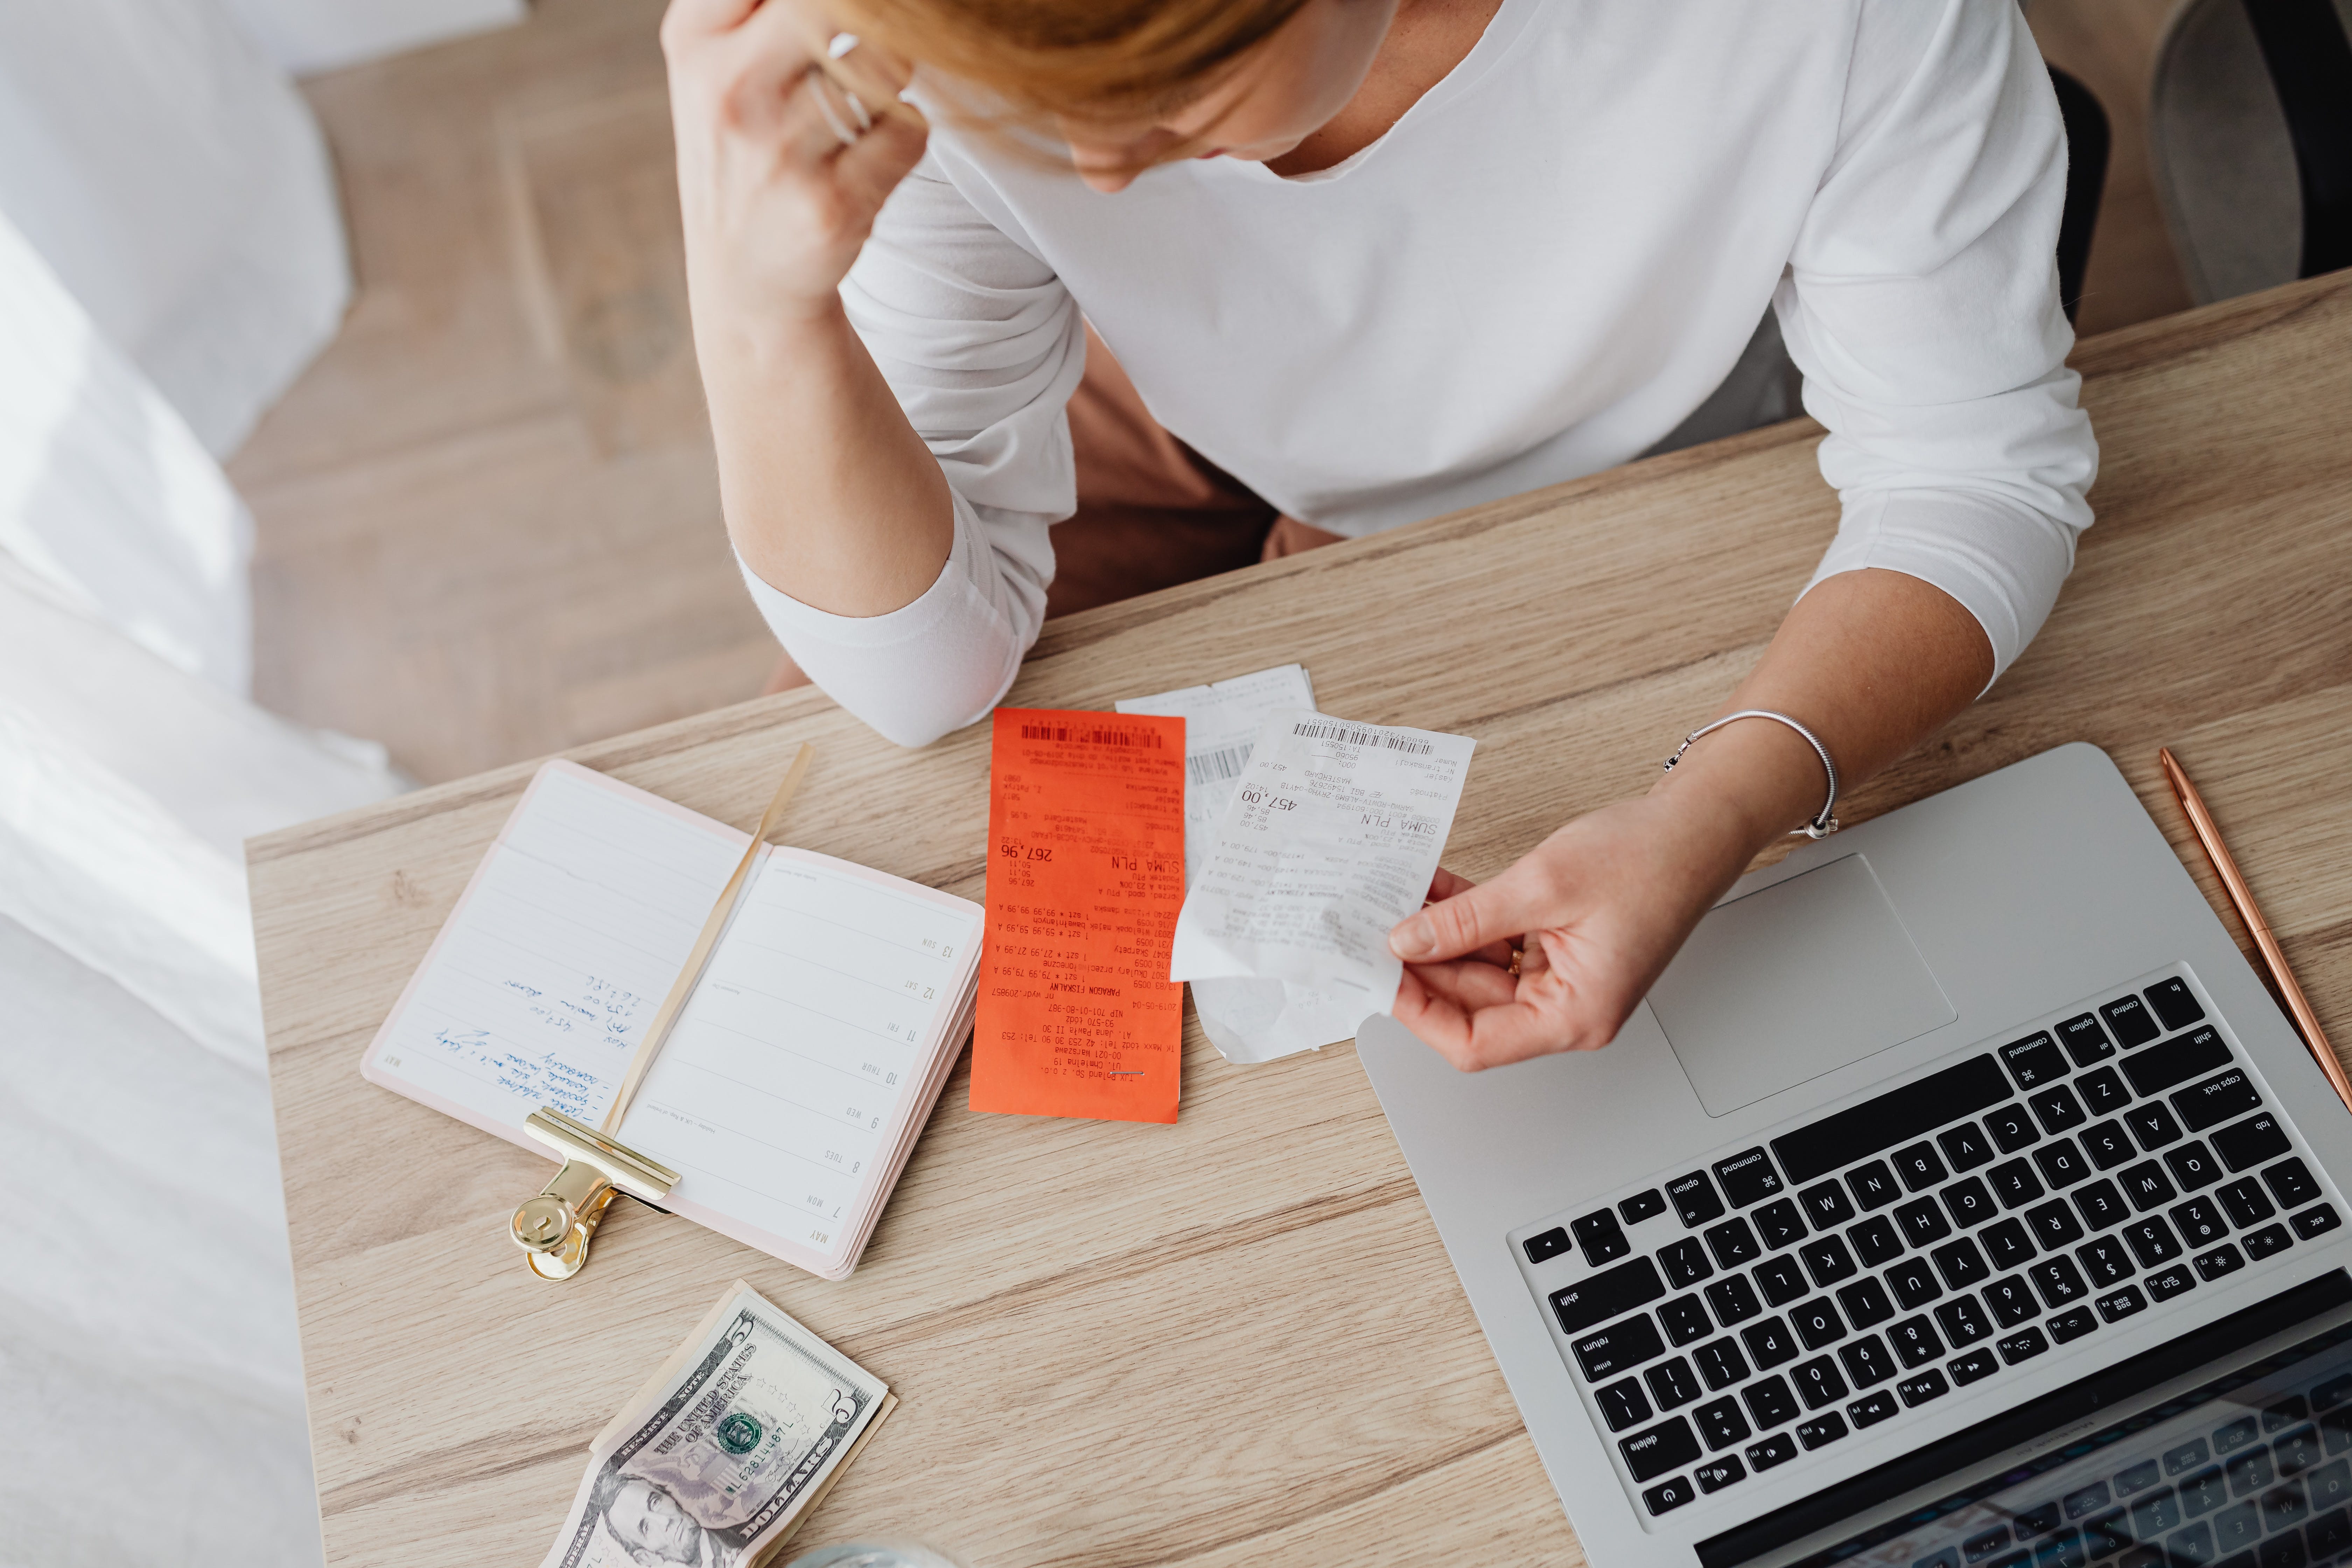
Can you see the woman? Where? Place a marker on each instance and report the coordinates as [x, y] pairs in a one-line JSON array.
[[1377, 259]]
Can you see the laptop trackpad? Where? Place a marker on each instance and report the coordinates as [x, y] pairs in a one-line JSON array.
[[1793, 981]]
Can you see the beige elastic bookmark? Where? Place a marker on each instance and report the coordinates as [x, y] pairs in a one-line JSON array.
[[554, 1228]]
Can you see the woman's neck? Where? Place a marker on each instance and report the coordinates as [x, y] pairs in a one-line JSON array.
[[1426, 41]]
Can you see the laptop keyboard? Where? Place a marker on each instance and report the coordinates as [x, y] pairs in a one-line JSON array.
[[1782, 1298]]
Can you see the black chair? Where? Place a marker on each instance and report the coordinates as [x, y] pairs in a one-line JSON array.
[[2087, 142]]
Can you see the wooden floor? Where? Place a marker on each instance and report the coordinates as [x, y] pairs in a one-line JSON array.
[[488, 523]]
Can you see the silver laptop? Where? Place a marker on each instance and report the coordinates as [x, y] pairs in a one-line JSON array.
[[1957, 1199]]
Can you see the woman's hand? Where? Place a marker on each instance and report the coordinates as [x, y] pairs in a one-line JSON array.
[[775, 203]]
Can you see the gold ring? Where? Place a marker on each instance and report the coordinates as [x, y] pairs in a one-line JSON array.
[[1518, 955]]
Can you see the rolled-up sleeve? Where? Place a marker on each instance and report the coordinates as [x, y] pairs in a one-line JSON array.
[[982, 346], [1921, 303]]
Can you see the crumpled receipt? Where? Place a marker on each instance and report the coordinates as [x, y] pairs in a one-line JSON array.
[[1247, 1020], [1330, 839]]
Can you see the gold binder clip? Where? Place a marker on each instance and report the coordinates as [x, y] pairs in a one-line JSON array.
[[554, 1228]]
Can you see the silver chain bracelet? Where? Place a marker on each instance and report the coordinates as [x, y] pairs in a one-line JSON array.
[[1821, 826]]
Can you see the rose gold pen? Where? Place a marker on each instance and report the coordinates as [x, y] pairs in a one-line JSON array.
[[2241, 897]]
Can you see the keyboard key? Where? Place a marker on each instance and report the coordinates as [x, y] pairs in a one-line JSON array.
[[2072, 1324], [1769, 1402], [2011, 1129], [1733, 1300], [2107, 1534], [1623, 1404], [1968, 1202], [2103, 1092], [1780, 1281], [2269, 1240], [2332, 1393], [2153, 1125], [1685, 1261], [2062, 1164], [2021, 1345], [1865, 1303], [2154, 1515], [2175, 1002], [1655, 1450], [1621, 1347], [2330, 1486], [1818, 1382], [1817, 1323], [1612, 1292], [1597, 1233], [2188, 1457], [2059, 1281], [1923, 1222], [2037, 1519], [1641, 1206], [1671, 1383], [2243, 1145], [2147, 1187], [1668, 1495], [2100, 1204], [2278, 1418], [1975, 1364], [1914, 1283], [1549, 1245], [1721, 1423], [1827, 1205], [1960, 1263], [1683, 1320], [2190, 1548], [2035, 1060], [2104, 1262], [1747, 1177], [2200, 1223], [1733, 1243], [1777, 1449], [2121, 1303], [2137, 1479], [2107, 1144], [1915, 1341], [1720, 1362], [2176, 1061], [2057, 1109], [2298, 1451], [2290, 1181], [1779, 1224], [2012, 1301], [2007, 1244], [1966, 1146], [2328, 1534], [1824, 1428], [1827, 1260], [1717, 1474], [1872, 1408], [1918, 1166], [1890, 1119], [2130, 1021], [1695, 1199], [2216, 1099], [2086, 1042], [1928, 1384], [2314, 1222], [2252, 1470], [1768, 1344], [1963, 1320], [1872, 1184], [1876, 1241], [2171, 1282], [1866, 1362], [2151, 1241], [2053, 1224], [2014, 1184]]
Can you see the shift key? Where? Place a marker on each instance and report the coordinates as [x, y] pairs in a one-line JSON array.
[[1612, 1293]]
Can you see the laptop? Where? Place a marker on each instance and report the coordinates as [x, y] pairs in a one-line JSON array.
[[1958, 1198]]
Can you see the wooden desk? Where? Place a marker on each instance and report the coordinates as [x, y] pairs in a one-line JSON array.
[[1237, 1339]]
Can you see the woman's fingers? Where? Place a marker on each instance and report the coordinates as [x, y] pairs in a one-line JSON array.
[[768, 56], [688, 19], [1496, 911], [881, 158]]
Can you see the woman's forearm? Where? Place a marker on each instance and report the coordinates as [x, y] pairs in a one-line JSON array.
[[829, 494]]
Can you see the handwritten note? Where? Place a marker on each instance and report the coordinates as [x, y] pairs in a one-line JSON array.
[[1085, 875]]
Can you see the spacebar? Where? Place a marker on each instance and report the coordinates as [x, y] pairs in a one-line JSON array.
[[1896, 1117]]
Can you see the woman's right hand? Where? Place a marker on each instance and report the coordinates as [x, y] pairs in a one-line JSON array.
[[775, 206]]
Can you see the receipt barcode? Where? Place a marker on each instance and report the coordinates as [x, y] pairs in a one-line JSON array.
[[1356, 737], [1207, 767], [1086, 737]]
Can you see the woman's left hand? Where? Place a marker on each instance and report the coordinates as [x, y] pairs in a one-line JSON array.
[[1601, 906]]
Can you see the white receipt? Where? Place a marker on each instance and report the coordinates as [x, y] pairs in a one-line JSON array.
[[1331, 840], [1247, 1020]]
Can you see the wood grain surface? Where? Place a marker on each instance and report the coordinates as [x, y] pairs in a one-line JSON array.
[[1237, 1338]]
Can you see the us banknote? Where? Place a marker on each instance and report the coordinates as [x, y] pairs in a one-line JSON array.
[[725, 1450]]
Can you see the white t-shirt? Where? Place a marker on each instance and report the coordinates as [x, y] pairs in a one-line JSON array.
[[1546, 264]]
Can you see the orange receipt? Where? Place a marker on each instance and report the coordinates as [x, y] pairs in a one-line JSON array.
[[1085, 877]]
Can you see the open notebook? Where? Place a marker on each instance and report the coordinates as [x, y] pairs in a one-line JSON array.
[[799, 1075]]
